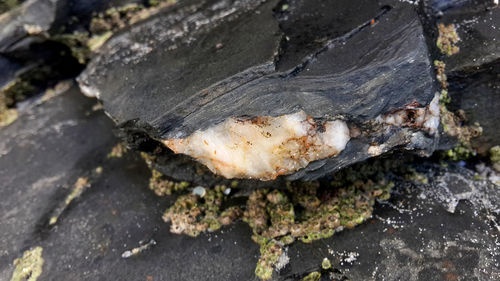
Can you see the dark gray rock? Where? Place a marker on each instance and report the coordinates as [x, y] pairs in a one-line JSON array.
[[477, 93], [8, 68], [477, 27], [41, 156], [206, 61], [35, 20], [445, 229]]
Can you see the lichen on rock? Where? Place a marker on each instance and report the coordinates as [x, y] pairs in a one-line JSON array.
[[447, 39], [192, 214], [29, 266]]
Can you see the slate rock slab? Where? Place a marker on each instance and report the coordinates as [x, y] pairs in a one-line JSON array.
[[446, 229], [203, 62]]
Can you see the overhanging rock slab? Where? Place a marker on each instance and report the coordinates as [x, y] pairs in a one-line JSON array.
[[204, 62]]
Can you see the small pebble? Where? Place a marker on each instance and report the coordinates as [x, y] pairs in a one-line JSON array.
[[199, 190]]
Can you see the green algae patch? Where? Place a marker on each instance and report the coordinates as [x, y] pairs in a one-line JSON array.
[[29, 267], [270, 253], [313, 276], [447, 39], [162, 186], [193, 213], [305, 211]]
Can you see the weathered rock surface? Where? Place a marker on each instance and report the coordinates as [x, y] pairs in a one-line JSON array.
[[207, 61], [473, 73], [446, 229]]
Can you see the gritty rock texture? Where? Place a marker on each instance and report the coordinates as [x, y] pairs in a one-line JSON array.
[[206, 61]]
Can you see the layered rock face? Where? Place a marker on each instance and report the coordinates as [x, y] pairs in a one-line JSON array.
[[182, 77]]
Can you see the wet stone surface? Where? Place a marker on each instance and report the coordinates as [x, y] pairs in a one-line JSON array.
[[446, 229]]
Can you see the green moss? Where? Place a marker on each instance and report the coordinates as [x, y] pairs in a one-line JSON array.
[[29, 267], [313, 276]]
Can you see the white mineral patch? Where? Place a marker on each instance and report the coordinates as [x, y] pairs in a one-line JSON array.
[[88, 91], [264, 147], [283, 260], [426, 118]]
